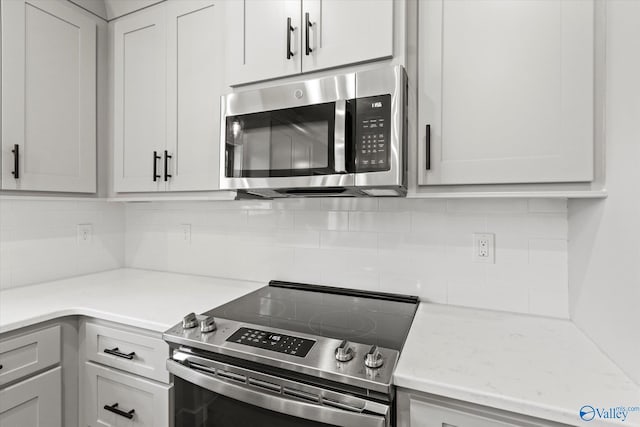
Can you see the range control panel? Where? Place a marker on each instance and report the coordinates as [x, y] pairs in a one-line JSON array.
[[280, 343], [373, 117]]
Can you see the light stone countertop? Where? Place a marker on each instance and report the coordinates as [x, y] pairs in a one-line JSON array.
[[531, 365], [145, 299], [537, 366]]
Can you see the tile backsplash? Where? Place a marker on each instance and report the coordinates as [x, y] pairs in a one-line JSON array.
[[38, 239], [414, 246]]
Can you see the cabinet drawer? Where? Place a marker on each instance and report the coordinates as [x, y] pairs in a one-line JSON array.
[[136, 353], [29, 353], [34, 402], [133, 401]]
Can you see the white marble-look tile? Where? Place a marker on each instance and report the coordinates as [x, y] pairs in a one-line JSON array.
[[547, 205], [380, 222], [350, 204], [424, 245], [263, 218], [322, 220], [399, 204], [361, 241], [480, 206]]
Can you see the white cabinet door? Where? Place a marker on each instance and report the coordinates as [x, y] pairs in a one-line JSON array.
[[35, 402], [48, 96], [345, 32], [195, 77], [116, 399], [507, 88], [139, 129], [257, 33]]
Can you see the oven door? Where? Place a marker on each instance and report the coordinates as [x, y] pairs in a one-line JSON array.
[[214, 394], [289, 136]]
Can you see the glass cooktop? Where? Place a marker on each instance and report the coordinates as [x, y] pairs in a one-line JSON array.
[[357, 316]]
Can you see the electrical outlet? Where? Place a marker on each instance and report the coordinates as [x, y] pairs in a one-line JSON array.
[[85, 233], [186, 232], [484, 248]]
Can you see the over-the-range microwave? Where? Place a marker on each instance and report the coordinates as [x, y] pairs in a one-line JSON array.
[[343, 135]]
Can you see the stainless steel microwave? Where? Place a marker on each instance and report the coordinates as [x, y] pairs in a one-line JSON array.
[[338, 136]]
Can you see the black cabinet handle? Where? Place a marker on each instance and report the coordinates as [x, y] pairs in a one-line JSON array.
[[307, 25], [16, 161], [427, 137], [155, 166], [290, 29], [166, 165], [116, 352], [114, 408]]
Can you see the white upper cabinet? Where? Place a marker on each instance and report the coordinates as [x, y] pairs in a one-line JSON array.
[[195, 78], [343, 32], [259, 33], [139, 79], [507, 88], [168, 78], [48, 97], [267, 39]]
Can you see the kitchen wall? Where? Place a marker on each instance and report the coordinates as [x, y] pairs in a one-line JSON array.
[[604, 254], [38, 239], [421, 247]]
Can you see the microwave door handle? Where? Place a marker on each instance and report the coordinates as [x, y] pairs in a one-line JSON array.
[[339, 140], [274, 402]]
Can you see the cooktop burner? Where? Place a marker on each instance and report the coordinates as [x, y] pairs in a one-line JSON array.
[[363, 317]]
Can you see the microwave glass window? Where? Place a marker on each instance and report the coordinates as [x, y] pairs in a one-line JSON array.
[[291, 142]]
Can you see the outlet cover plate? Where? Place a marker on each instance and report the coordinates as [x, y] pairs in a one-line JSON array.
[[484, 250], [85, 233]]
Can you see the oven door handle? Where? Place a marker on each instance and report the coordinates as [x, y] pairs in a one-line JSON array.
[[340, 137], [309, 411]]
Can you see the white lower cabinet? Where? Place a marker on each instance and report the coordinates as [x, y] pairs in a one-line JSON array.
[[123, 378], [129, 351], [29, 353], [114, 398], [35, 402], [417, 409]]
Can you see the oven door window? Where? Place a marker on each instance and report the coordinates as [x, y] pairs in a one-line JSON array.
[[199, 407], [282, 143]]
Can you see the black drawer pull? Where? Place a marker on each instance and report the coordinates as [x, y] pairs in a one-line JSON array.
[[290, 29], [155, 166], [16, 161], [115, 352], [307, 25], [167, 156], [428, 148], [114, 408]]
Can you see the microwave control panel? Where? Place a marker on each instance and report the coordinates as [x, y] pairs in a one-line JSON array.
[[372, 133]]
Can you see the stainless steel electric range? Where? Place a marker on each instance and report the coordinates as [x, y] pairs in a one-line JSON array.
[[290, 354]]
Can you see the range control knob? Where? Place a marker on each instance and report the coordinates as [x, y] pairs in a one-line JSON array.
[[208, 324], [344, 353], [190, 321], [373, 359]]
